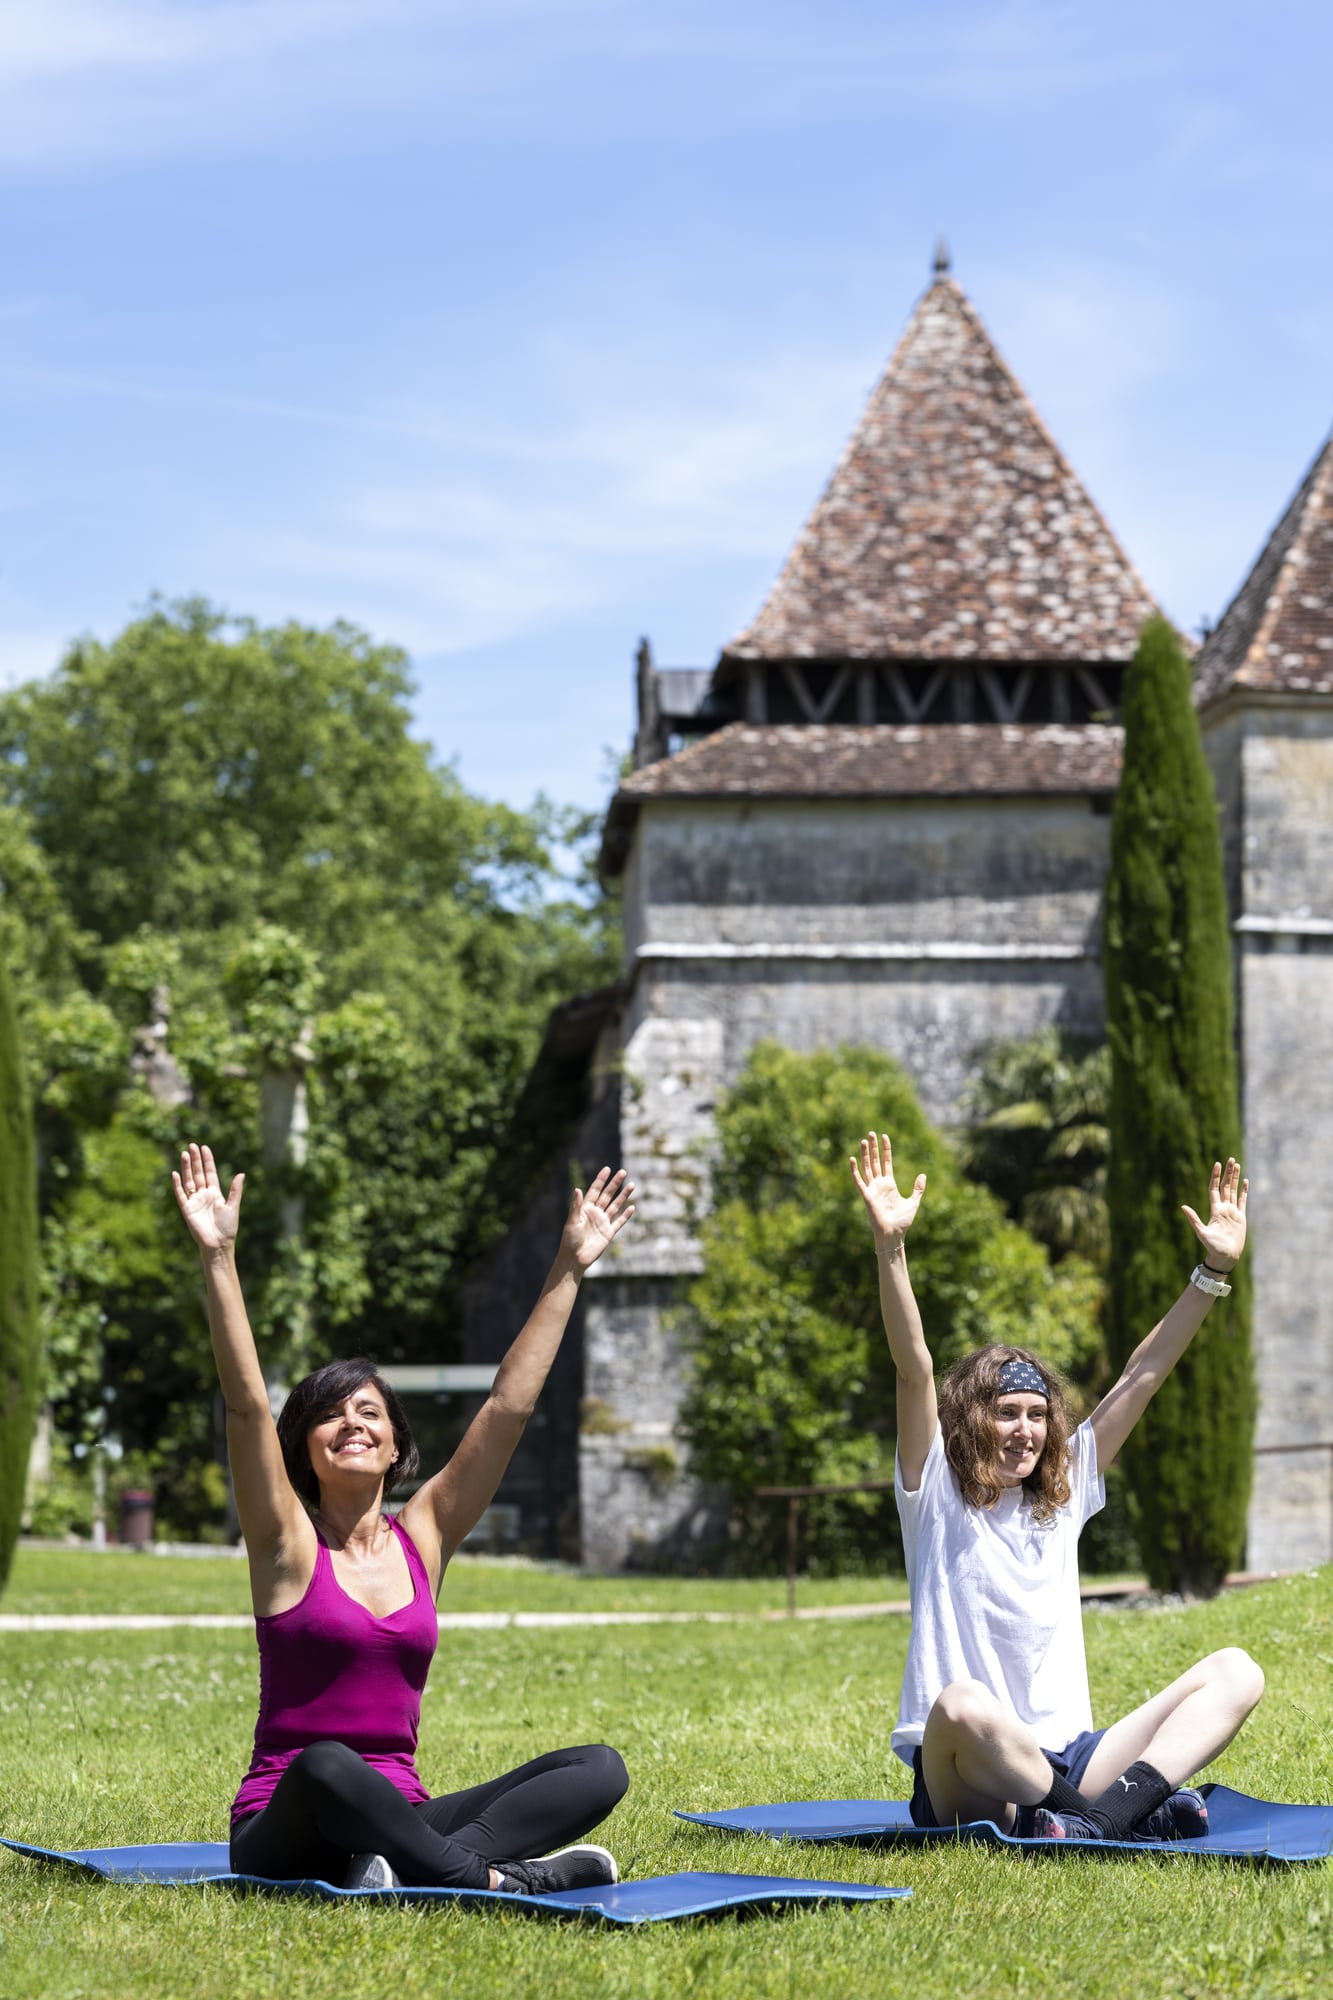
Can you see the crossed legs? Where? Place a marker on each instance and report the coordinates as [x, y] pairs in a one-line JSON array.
[[980, 1762], [1185, 1726], [329, 1804]]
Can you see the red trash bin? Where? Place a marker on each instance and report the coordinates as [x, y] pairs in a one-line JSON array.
[[136, 1518]]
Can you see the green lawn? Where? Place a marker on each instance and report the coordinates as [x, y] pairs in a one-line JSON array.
[[141, 1736], [119, 1580]]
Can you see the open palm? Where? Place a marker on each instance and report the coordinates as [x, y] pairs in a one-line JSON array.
[[891, 1212], [596, 1218], [1223, 1235], [211, 1217]]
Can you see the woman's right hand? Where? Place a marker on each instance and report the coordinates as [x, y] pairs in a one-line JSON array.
[[211, 1217], [891, 1213]]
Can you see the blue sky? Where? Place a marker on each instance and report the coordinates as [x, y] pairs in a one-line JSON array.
[[512, 329]]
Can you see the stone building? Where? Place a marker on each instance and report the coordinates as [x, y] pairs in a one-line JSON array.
[[882, 816], [1264, 686]]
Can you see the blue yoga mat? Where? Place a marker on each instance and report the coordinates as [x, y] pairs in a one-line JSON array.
[[1239, 1828], [656, 1899]]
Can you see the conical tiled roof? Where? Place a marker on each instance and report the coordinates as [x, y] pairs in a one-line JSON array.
[[953, 528], [1276, 635]]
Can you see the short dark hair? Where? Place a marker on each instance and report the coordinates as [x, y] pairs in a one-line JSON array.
[[327, 1389]]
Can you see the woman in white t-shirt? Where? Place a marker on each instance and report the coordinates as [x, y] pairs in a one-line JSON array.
[[993, 1490]]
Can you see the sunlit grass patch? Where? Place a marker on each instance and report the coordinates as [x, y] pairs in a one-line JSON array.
[[118, 1737]]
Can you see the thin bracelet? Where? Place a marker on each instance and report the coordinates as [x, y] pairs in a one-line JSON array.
[[1216, 1271]]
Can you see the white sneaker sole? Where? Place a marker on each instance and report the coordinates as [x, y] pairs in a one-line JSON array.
[[369, 1871]]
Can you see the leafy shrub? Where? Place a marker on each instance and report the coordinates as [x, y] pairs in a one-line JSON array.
[[792, 1382]]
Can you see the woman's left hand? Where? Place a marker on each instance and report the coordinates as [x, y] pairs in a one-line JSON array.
[[596, 1218], [1223, 1235]]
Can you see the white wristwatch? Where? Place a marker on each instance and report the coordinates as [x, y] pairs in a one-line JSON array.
[[1204, 1281]]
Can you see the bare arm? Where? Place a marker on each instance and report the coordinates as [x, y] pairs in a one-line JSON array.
[[1223, 1239], [273, 1520], [891, 1216], [448, 1507]]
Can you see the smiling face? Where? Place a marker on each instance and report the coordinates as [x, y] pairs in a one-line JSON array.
[[352, 1440], [1020, 1427]]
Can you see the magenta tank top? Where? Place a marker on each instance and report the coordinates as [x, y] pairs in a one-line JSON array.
[[331, 1672]]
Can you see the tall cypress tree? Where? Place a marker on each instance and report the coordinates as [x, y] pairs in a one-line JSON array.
[[1174, 1110], [18, 1281]]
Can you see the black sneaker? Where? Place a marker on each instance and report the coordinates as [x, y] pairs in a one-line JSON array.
[[584, 1867], [370, 1871], [1184, 1816], [1048, 1825]]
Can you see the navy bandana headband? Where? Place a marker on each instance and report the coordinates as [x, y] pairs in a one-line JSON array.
[[1021, 1376]]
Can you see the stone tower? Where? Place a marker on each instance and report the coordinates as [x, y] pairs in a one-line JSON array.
[[1265, 691], [882, 816]]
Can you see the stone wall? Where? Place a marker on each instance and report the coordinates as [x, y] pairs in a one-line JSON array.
[[1288, 1117], [639, 1506], [926, 928], [1274, 767], [1002, 872], [933, 1016], [542, 1476], [637, 1501]]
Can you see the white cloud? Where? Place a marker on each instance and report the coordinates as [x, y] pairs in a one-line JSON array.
[[41, 39], [117, 389], [497, 532], [83, 80]]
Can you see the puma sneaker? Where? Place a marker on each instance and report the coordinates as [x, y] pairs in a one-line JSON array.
[[1184, 1816]]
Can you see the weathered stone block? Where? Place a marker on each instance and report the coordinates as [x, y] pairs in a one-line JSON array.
[[638, 1504]]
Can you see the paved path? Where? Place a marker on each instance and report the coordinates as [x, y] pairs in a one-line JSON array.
[[536, 1621]]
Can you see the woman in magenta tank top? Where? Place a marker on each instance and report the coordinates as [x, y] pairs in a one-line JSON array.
[[344, 1598]]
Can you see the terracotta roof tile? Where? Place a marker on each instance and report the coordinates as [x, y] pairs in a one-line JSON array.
[[952, 527], [1276, 635]]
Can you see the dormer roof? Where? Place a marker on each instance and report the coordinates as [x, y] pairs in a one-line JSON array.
[[953, 527], [1276, 635]]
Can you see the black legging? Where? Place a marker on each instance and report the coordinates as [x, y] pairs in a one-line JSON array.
[[329, 1804]]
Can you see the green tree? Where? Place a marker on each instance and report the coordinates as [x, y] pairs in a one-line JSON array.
[[224, 853], [792, 1382], [1173, 1111], [38, 939], [1038, 1138], [199, 776], [18, 1281]]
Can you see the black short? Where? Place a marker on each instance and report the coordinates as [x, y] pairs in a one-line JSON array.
[[1071, 1763]]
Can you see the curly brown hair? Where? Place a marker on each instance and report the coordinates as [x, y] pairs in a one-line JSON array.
[[971, 1441]]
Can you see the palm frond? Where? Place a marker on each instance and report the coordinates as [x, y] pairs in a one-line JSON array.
[[1069, 1142]]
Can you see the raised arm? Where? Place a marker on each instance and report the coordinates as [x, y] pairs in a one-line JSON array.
[[272, 1518], [891, 1216], [1222, 1238], [448, 1507]]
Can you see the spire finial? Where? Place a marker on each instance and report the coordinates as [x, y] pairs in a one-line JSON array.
[[941, 258]]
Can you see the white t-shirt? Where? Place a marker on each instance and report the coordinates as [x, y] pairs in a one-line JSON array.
[[995, 1598]]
